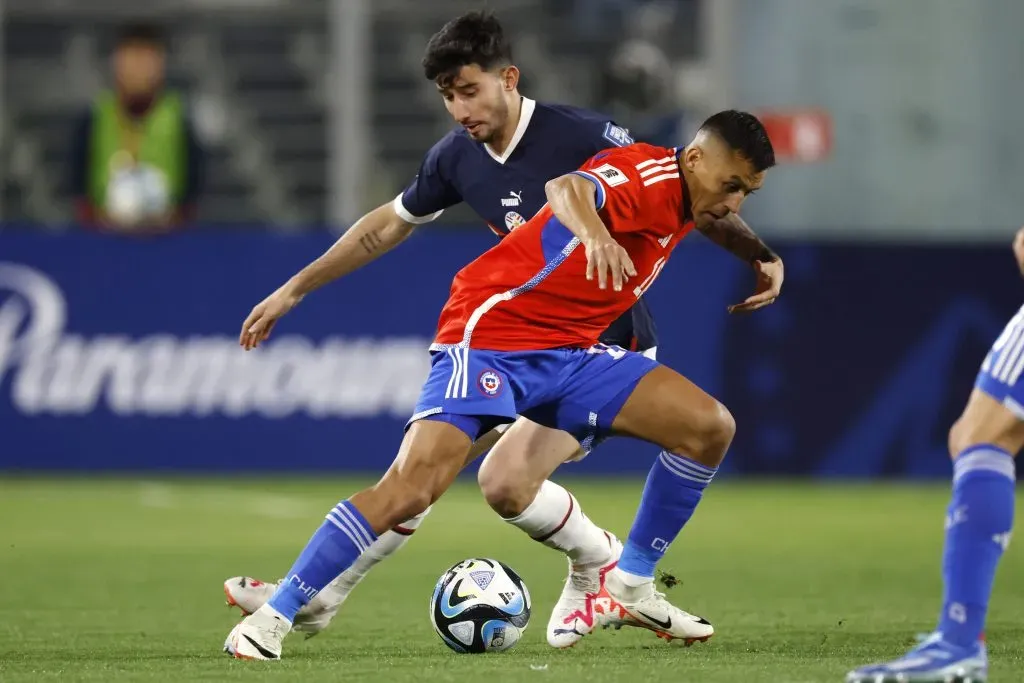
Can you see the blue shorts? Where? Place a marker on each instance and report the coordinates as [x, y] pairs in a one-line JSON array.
[[1000, 374], [580, 391]]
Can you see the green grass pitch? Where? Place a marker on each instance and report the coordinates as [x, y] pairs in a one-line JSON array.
[[116, 580]]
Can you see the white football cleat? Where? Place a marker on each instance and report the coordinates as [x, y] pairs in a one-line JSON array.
[[249, 594], [573, 617], [229, 642], [259, 636], [619, 605]]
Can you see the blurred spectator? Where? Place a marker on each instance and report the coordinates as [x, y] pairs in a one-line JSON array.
[[135, 163], [636, 83]]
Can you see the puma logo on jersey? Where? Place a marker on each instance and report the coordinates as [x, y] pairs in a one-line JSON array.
[[515, 200]]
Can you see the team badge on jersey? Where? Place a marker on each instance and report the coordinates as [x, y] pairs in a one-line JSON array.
[[490, 382], [513, 220], [617, 135], [611, 175]]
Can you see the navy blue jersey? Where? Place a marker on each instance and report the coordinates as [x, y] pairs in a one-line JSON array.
[[507, 189], [550, 140]]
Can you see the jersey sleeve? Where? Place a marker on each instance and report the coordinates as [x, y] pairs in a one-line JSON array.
[[431, 191], [619, 186], [597, 132]]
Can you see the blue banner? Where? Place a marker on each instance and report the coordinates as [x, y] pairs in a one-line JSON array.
[[118, 354]]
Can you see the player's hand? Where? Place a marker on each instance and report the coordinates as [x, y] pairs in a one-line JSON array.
[[1018, 250], [265, 315], [607, 259], [769, 284]]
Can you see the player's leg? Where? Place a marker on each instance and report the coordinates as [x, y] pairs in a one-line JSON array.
[[694, 431], [514, 480], [431, 455], [983, 444], [386, 545], [609, 390], [434, 450], [249, 594]]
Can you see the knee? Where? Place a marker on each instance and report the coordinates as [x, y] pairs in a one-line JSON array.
[[505, 488], [709, 434], [406, 502]]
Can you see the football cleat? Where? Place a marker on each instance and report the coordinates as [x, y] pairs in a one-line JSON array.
[[618, 605], [933, 661], [259, 636], [249, 594], [229, 642], [571, 619]]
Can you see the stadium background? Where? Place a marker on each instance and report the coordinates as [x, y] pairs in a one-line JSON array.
[[894, 209]]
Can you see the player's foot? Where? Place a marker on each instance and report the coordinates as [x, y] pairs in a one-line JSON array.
[[932, 661], [259, 636], [229, 642], [249, 594], [571, 619], [619, 605]]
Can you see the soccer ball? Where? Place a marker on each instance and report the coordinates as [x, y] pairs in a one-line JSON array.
[[480, 605], [136, 194]]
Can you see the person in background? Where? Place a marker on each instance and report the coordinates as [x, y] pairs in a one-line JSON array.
[[136, 166]]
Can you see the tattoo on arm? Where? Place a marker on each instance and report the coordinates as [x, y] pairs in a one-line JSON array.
[[734, 235], [371, 242]]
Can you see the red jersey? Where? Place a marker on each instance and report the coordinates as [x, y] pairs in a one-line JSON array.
[[530, 291]]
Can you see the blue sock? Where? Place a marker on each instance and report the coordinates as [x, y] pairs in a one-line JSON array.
[[978, 526], [674, 487], [333, 548]]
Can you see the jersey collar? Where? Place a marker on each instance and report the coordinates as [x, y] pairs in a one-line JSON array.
[[687, 203], [525, 114]]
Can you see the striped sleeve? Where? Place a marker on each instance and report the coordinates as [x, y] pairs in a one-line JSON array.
[[623, 178]]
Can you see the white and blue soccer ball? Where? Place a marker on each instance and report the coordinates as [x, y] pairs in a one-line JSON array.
[[480, 605], [136, 194]]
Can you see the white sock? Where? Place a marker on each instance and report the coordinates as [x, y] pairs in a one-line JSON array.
[[555, 519], [387, 544], [631, 580]]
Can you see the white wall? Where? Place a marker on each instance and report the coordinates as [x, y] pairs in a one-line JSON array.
[[928, 106]]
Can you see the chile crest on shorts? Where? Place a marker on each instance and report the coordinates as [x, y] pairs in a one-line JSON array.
[[490, 383]]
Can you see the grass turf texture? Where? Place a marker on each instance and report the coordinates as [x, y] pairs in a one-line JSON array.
[[110, 580]]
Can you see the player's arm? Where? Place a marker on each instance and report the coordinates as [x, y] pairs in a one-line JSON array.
[[734, 235], [574, 200], [371, 236]]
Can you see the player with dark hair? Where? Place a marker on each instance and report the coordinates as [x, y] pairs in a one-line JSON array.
[[983, 444], [520, 336], [497, 161]]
